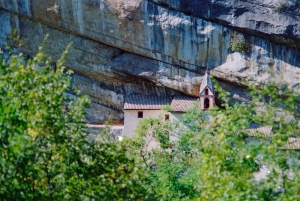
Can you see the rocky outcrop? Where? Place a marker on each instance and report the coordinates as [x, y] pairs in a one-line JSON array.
[[160, 47], [276, 20], [97, 132]]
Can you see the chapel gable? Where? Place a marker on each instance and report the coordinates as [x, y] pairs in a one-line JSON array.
[[206, 93]]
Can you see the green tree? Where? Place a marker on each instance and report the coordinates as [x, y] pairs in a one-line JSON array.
[[217, 158], [169, 163], [44, 146]]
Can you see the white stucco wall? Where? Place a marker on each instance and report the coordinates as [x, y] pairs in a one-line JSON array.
[[131, 119], [175, 116]]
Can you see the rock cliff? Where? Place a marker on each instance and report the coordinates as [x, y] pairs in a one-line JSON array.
[[160, 47]]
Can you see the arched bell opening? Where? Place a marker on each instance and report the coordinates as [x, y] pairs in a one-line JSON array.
[[206, 92]]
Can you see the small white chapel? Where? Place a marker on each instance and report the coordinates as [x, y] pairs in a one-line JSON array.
[[138, 107]]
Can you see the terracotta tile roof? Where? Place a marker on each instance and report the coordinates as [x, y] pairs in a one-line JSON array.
[[293, 143], [206, 82], [141, 102], [259, 131], [182, 103], [256, 130]]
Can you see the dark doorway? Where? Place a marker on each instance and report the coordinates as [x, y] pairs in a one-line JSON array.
[[206, 103]]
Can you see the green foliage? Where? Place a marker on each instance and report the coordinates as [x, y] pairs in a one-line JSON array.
[[167, 108], [270, 106], [238, 45], [215, 159], [194, 118], [16, 39], [45, 152], [169, 164]]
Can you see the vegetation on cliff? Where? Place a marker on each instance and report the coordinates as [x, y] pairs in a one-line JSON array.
[[221, 159], [45, 151]]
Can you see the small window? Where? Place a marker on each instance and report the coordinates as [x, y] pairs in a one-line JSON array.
[[140, 114], [167, 117], [206, 91]]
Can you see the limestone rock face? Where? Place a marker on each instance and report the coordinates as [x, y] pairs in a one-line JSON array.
[[160, 47], [277, 20]]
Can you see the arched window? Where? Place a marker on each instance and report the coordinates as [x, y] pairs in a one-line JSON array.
[[206, 103], [206, 92]]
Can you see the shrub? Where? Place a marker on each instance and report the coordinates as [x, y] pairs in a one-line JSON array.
[[45, 152], [239, 45]]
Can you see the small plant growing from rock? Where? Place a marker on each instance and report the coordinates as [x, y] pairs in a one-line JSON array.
[[279, 7], [238, 44]]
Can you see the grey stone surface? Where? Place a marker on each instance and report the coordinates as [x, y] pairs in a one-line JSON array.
[[159, 47], [96, 132], [273, 19], [262, 17]]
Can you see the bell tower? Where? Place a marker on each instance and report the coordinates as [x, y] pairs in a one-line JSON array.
[[206, 93]]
